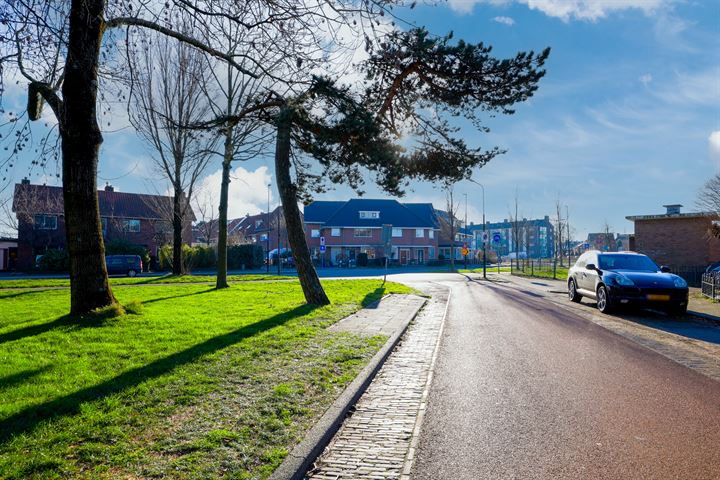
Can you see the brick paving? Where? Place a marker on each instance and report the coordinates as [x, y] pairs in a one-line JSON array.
[[376, 440]]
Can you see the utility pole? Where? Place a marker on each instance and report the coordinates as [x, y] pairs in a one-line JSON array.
[[277, 223], [484, 227], [267, 235]]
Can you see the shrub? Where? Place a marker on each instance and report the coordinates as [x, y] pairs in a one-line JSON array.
[[193, 257], [362, 259], [55, 261], [250, 255]]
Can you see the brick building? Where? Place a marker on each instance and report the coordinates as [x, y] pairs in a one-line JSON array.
[[261, 228], [138, 219], [356, 226], [677, 239]]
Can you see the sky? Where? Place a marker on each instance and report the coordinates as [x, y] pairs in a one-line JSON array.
[[627, 118]]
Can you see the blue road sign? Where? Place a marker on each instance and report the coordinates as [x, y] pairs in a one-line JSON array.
[[496, 237], [322, 248]]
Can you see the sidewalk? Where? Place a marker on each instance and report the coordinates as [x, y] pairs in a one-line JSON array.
[[377, 440]]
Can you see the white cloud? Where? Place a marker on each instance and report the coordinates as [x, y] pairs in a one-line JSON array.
[[248, 191], [714, 144], [504, 20], [645, 79], [566, 10]]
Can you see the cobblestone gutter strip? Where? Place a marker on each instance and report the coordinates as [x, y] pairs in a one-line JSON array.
[[374, 442], [301, 458]]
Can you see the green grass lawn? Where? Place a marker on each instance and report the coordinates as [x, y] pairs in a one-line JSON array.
[[546, 271], [64, 282], [197, 383], [480, 270]]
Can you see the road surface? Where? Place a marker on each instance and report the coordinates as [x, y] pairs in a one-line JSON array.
[[524, 389]]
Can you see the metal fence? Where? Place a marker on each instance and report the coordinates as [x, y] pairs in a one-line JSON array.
[[711, 285], [692, 275], [542, 267]]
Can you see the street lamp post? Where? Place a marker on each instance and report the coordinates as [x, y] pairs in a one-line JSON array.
[[267, 236], [465, 234], [484, 226]]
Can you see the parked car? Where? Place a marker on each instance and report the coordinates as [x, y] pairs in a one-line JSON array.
[[129, 265], [626, 278]]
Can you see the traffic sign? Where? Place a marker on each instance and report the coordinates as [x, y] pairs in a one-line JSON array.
[[322, 248], [497, 237], [485, 237], [465, 251], [322, 240]]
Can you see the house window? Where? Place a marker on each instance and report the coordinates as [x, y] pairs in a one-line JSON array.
[[335, 232], [419, 233], [397, 232], [263, 237], [131, 225], [365, 214], [363, 232], [45, 222], [431, 234], [314, 233], [258, 223]]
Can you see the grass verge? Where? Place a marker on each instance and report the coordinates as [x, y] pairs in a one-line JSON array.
[[64, 282], [190, 383]]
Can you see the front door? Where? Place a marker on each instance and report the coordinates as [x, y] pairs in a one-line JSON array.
[[421, 256], [403, 257]]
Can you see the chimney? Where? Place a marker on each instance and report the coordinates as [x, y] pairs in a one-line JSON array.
[[109, 188], [25, 181], [672, 209]]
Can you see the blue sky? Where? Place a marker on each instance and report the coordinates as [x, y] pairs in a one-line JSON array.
[[627, 118]]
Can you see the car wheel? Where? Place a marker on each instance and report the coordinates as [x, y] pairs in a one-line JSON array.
[[603, 300], [132, 273], [572, 291]]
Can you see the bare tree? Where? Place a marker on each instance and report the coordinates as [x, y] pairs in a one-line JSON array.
[[166, 96], [709, 201], [207, 221], [451, 225], [559, 227], [55, 47], [608, 240]]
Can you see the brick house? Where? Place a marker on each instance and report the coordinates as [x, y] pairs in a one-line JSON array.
[[356, 226], [677, 239], [139, 219], [248, 229]]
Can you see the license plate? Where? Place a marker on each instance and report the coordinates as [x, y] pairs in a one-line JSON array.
[[659, 298]]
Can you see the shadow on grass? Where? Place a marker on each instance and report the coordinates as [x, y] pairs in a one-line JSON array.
[[27, 419], [23, 292], [16, 378], [372, 299], [160, 299], [91, 320]]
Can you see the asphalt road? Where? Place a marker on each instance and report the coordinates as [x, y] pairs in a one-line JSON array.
[[524, 389]]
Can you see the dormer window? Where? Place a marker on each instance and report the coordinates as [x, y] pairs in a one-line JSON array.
[[369, 215]]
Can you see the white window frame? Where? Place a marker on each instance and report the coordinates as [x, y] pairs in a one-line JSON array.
[[127, 222], [335, 232], [369, 214], [419, 233], [397, 232], [43, 224], [431, 233], [369, 231], [315, 233]]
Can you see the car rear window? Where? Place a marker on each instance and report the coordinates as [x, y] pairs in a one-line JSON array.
[[627, 262]]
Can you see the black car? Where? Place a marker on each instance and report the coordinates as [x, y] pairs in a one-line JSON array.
[[626, 278], [129, 265]]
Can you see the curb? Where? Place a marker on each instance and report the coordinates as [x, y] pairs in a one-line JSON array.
[[301, 458], [705, 318]]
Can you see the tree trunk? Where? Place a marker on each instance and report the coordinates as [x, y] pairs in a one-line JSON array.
[[178, 198], [221, 281], [81, 139], [313, 290]]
